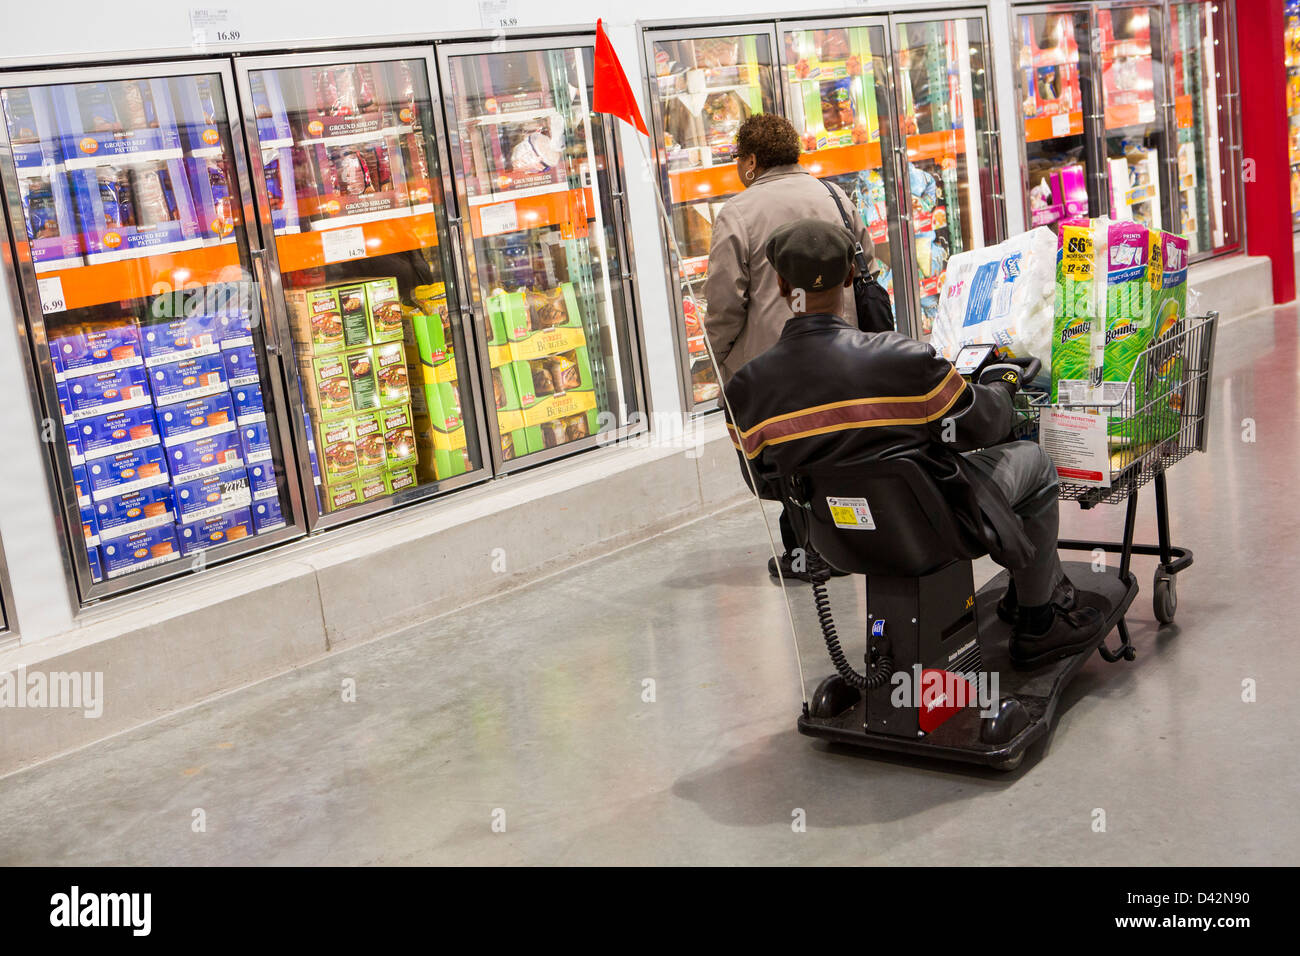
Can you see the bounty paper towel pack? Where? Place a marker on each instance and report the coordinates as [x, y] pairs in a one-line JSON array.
[[1001, 294]]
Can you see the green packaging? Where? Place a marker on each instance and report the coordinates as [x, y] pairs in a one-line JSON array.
[[356, 316]]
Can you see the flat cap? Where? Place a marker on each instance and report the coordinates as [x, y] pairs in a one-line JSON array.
[[811, 254]]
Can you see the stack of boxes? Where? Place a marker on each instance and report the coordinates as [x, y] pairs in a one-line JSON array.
[[352, 364], [162, 423], [441, 445]]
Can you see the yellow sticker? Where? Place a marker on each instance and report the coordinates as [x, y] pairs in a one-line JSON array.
[[851, 513], [1155, 264], [1076, 251]]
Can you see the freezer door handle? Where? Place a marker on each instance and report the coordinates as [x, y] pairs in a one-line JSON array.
[[260, 279]]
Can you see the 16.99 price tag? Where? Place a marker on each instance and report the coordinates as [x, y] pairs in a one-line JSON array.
[[51, 292]]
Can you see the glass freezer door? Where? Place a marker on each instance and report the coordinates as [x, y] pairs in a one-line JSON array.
[[536, 177], [350, 182], [1055, 86], [1292, 57], [129, 202], [838, 96], [1133, 96], [946, 119], [706, 83]]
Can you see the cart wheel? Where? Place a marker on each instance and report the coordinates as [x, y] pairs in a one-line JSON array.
[[1164, 596], [1011, 764]]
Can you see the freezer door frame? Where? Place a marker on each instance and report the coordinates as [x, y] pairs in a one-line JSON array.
[[649, 35], [471, 317], [892, 165], [318, 520], [45, 398]]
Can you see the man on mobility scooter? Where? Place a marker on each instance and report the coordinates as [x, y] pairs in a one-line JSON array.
[[829, 394]]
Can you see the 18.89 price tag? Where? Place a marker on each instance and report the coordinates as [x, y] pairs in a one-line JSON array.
[[340, 245]]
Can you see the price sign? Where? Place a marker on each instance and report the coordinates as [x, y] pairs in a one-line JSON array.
[[1061, 125], [214, 25], [340, 245], [497, 14], [51, 292], [498, 218]]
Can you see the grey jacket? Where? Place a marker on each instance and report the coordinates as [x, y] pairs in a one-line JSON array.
[[744, 312]]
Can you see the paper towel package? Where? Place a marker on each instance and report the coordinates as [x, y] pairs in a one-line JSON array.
[[1003, 294]]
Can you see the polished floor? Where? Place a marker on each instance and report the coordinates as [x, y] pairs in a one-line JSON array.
[[518, 731]]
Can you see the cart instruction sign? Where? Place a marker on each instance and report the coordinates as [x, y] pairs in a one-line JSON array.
[[1076, 442]]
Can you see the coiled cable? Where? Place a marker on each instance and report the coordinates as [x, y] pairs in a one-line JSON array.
[[878, 670]]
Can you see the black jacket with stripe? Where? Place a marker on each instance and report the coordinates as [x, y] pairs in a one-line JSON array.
[[828, 394]]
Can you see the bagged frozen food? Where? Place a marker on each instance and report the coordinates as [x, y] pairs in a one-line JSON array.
[[1003, 294]]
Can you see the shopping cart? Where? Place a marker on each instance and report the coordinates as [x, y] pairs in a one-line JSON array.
[[1154, 419]]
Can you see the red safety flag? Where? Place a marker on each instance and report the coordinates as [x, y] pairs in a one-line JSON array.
[[613, 93]]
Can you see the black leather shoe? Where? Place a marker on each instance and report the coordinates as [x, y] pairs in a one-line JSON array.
[[1062, 596], [1071, 632]]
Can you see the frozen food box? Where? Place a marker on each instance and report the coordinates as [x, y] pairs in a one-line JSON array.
[[267, 515], [103, 392], [270, 109], [89, 531], [250, 405], [369, 434], [560, 431], [175, 339], [236, 328], [114, 118], [338, 100], [555, 386], [356, 320], [337, 497], [187, 379], [372, 486], [117, 432], [337, 446], [363, 378], [139, 550], [119, 515], [256, 440], [431, 355], [96, 564], [262, 480], [443, 402], [400, 478], [329, 387], [241, 365], [134, 208], [399, 438], [281, 190], [196, 418], [200, 457], [96, 349], [316, 319], [391, 375], [201, 498], [384, 310], [219, 529], [121, 472]]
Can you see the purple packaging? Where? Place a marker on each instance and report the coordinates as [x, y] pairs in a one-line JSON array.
[[175, 339], [52, 232], [95, 350], [197, 418], [219, 529], [273, 127], [256, 439], [119, 515], [96, 565], [267, 515], [89, 530], [214, 206], [117, 432], [241, 365], [140, 208], [103, 392], [81, 481], [125, 471], [205, 456], [1073, 191], [249, 403], [142, 549], [187, 379], [200, 104], [115, 118], [235, 328], [277, 171], [65, 400], [261, 479], [212, 495]]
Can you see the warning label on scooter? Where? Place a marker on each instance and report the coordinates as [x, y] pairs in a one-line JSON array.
[[851, 513]]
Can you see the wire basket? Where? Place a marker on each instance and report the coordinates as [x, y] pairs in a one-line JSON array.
[[1154, 419]]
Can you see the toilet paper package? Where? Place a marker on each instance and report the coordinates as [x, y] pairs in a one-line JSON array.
[[1003, 294]]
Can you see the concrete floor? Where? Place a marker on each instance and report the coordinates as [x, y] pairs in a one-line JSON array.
[[531, 704]]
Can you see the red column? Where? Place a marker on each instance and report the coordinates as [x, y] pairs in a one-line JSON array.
[[1260, 44]]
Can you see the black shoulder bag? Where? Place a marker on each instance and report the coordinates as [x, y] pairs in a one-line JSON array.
[[874, 312]]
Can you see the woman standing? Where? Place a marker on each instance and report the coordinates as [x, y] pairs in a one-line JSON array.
[[745, 313]]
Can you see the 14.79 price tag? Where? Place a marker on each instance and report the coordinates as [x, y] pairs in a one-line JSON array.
[[340, 245]]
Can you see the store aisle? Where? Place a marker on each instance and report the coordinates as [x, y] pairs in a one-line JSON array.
[[529, 710]]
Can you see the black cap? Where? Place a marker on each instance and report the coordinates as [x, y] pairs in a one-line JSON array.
[[811, 254]]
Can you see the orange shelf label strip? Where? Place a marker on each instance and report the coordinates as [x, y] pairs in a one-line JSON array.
[[85, 286], [305, 250]]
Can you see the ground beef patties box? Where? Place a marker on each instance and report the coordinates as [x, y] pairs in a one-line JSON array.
[[141, 549], [250, 406], [255, 438], [187, 379], [120, 515], [116, 432], [316, 320], [219, 529], [241, 365], [172, 340], [121, 472], [211, 495], [205, 456], [197, 418], [101, 393], [267, 515], [96, 349], [262, 481]]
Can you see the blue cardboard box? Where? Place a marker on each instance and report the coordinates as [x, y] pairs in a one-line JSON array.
[[219, 529], [117, 432], [249, 403], [205, 456], [267, 515], [119, 515], [241, 365], [100, 393], [187, 379], [211, 495], [138, 550], [96, 350], [120, 472], [171, 340], [197, 418]]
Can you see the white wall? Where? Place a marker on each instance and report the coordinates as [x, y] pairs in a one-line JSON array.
[[65, 31]]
